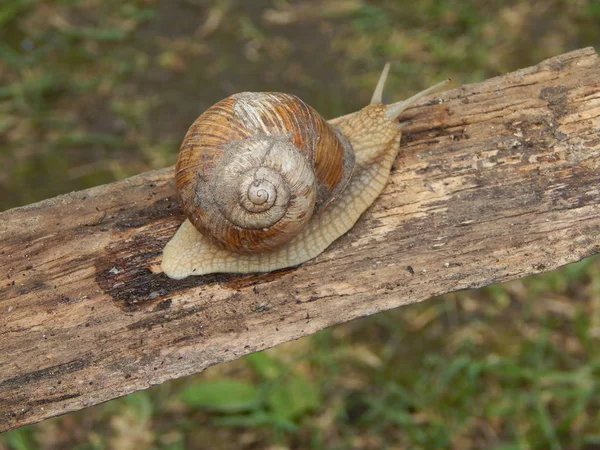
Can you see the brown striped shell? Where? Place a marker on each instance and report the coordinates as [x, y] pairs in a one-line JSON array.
[[254, 168]]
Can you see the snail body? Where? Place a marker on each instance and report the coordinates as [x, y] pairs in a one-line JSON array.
[[266, 183]]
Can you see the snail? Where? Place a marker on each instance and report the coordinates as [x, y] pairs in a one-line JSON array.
[[266, 183]]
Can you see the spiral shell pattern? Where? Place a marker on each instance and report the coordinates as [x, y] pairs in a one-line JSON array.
[[255, 167]]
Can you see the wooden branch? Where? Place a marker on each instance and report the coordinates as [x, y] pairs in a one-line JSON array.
[[498, 181]]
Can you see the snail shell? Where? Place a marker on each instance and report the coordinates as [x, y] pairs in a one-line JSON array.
[[254, 168]]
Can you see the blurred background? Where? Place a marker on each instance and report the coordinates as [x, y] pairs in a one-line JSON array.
[[92, 91]]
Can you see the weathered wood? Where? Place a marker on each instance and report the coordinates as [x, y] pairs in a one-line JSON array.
[[498, 181]]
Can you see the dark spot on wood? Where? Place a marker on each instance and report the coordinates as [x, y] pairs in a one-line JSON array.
[[158, 320], [65, 299], [243, 281], [554, 64], [235, 297], [61, 398], [32, 284], [187, 338], [165, 304], [53, 371], [125, 275], [163, 208], [556, 96]]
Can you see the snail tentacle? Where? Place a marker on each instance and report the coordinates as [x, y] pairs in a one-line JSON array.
[[378, 94], [395, 109]]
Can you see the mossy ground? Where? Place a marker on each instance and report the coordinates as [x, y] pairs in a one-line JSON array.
[[93, 90]]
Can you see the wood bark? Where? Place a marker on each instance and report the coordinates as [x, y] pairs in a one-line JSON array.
[[495, 181]]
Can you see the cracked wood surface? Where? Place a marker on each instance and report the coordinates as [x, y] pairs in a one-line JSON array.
[[498, 181]]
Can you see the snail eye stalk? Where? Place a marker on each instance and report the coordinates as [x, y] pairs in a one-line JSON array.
[[395, 109], [378, 94]]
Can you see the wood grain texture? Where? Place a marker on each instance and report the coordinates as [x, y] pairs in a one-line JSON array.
[[498, 181]]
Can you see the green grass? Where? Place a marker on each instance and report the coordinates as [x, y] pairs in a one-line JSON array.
[[99, 90]]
